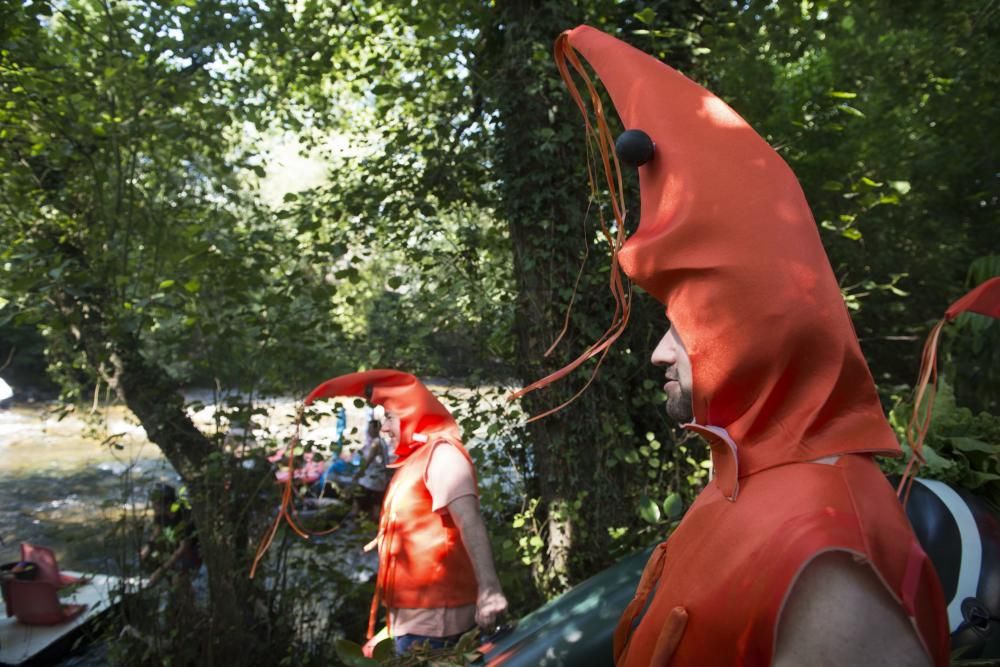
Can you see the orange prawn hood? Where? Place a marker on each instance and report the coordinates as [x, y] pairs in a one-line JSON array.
[[726, 241], [420, 412]]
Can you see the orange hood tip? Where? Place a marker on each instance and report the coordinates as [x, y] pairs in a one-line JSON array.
[[983, 299], [727, 241], [420, 412]]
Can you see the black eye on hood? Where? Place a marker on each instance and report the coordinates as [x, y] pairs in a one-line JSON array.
[[634, 148]]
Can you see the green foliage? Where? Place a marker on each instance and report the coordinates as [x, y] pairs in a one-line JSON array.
[[886, 115], [136, 245], [463, 653], [972, 348], [961, 447]]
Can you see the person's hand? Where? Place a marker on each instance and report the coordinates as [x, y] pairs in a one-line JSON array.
[[369, 646], [490, 606]]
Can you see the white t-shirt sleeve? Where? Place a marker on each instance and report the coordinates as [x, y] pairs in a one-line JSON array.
[[449, 476]]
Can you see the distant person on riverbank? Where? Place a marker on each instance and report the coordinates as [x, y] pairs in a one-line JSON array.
[[373, 474], [436, 575], [173, 545]]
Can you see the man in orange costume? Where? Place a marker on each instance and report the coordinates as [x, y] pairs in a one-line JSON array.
[[798, 551], [436, 575]]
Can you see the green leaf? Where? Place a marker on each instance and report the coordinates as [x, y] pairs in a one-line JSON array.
[[192, 285], [902, 187], [647, 15], [973, 445], [840, 94], [648, 510], [467, 642], [395, 282], [870, 183], [974, 478], [935, 461], [384, 650], [851, 233], [850, 110], [673, 506], [167, 283]]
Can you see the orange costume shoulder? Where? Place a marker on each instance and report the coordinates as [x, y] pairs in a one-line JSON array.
[[715, 590], [727, 243]]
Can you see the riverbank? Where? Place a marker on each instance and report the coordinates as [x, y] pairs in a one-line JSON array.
[[67, 477]]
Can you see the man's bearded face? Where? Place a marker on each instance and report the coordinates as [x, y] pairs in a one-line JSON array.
[[670, 354], [390, 429]]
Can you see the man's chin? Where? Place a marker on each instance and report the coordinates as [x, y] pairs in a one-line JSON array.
[[679, 412]]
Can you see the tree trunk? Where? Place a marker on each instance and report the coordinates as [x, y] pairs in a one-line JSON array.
[[216, 492], [541, 166]]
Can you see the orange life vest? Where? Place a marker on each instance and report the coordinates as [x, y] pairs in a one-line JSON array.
[[422, 560], [713, 593]]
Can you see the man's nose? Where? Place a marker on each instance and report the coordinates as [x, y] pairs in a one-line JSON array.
[[664, 353]]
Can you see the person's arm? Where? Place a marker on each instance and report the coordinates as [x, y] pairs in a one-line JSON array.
[[368, 455], [176, 556], [490, 602], [147, 548], [839, 613]]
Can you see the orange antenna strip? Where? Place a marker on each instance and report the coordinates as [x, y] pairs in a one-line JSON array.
[[602, 137]]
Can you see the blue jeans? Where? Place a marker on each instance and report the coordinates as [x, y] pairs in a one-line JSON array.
[[405, 642]]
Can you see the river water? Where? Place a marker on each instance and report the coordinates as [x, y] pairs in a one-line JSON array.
[[66, 480], [61, 487]]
